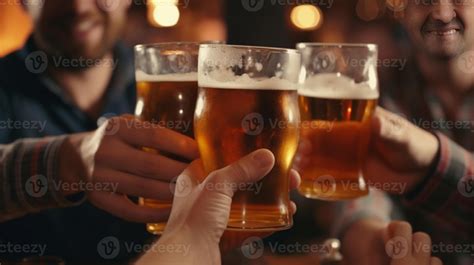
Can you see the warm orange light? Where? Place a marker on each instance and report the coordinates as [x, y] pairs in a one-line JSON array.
[[306, 17], [163, 13]]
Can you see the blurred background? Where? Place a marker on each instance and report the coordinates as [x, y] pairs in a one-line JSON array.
[[278, 23]]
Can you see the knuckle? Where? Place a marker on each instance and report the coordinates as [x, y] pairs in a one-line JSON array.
[[149, 166]]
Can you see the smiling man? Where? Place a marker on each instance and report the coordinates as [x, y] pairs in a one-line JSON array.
[[71, 75], [435, 162]]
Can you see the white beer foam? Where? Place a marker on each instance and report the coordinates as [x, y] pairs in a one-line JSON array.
[[227, 80], [141, 76], [337, 86]]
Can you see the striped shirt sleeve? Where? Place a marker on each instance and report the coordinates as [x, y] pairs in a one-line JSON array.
[[29, 177], [449, 191]]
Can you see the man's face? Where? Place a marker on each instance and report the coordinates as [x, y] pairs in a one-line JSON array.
[[80, 28], [442, 28]]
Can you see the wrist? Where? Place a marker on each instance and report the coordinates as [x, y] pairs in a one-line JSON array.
[[432, 151], [71, 168]]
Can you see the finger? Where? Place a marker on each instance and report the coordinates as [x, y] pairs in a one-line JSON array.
[[195, 170], [146, 134], [389, 127], [422, 246], [134, 185], [248, 169], [124, 158], [435, 261], [293, 208], [401, 232], [295, 179], [122, 207]]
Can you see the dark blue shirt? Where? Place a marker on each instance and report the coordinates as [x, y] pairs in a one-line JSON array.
[[33, 105]]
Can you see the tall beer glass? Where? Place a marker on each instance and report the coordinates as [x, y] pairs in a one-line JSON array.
[[166, 75], [337, 95], [247, 100]]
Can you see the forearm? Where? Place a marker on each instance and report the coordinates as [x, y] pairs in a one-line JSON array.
[[30, 181], [448, 191]]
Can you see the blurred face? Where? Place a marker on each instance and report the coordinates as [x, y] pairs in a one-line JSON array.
[[442, 28], [80, 28]]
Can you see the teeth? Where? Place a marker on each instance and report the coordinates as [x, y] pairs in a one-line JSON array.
[[445, 33]]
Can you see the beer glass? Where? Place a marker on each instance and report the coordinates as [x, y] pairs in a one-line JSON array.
[[248, 100], [337, 96], [166, 75]]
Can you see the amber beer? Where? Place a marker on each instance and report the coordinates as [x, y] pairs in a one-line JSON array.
[[168, 101], [236, 115], [166, 76], [338, 92], [337, 131]]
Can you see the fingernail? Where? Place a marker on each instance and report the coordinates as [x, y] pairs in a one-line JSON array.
[[264, 158]]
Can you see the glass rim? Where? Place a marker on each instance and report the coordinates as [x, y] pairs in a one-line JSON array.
[[370, 46], [250, 47], [176, 43]]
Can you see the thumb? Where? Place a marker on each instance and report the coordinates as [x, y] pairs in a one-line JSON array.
[[246, 171]]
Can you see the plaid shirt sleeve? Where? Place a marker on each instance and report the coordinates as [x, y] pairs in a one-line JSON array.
[[29, 178], [449, 191]]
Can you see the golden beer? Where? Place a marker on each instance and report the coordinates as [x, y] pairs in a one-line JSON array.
[[166, 75], [337, 132], [171, 105], [338, 93], [223, 139], [237, 114]]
